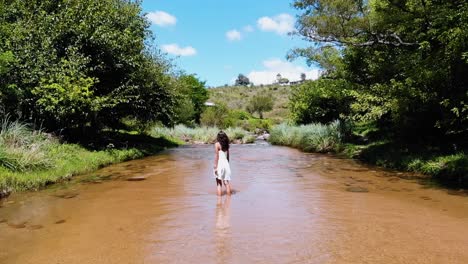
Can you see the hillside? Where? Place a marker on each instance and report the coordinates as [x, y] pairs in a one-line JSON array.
[[237, 97]]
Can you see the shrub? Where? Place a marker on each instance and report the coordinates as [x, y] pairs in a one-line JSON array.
[[204, 134], [323, 101], [22, 149], [313, 137]]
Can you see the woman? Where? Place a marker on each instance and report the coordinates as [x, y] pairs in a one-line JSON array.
[[222, 169]]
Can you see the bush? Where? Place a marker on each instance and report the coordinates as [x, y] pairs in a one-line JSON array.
[[323, 101], [260, 103], [314, 137], [215, 116], [22, 149], [257, 125], [206, 135]]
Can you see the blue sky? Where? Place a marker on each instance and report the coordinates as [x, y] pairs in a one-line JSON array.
[[217, 40]]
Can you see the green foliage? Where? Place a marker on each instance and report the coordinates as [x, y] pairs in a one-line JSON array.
[[448, 169], [313, 137], [239, 97], [31, 159], [22, 149], [242, 80], [193, 96], [215, 116], [256, 125], [204, 134], [80, 63], [321, 101], [406, 60], [260, 103]]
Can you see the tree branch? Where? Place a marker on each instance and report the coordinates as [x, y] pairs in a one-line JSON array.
[[377, 39]]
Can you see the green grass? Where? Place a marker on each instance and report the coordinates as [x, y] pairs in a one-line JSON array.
[[311, 138], [444, 167], [204, 135], [31, 159], [449, 168], [237, 97]]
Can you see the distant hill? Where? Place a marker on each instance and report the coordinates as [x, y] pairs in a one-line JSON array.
[[237, 97]]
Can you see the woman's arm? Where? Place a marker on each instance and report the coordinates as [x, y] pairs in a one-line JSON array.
[[215, 167]]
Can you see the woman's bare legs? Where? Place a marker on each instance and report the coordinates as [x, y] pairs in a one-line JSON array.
[[219, 185], [228, 187]]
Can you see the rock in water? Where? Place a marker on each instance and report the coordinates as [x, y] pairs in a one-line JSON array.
[[136, 178], [36, 227], [66, 195], [357, 189], [17, 225]]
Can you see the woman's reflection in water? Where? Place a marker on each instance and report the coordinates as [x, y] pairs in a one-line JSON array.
[[223, 229]]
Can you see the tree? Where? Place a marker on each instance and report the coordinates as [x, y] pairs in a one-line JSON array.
[[93, 72], [303, 77], [242, 80], [323, 100], [194, 95], [405, 59], [260, 104]]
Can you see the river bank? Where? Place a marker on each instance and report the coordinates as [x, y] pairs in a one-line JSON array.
[[443, 166], [31, 160]]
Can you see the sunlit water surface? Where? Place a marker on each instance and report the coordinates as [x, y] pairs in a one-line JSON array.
[[288, 207]]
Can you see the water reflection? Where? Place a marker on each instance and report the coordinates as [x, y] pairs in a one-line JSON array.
[[223, 229], [291, 208]]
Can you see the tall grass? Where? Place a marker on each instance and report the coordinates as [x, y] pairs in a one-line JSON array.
[[31, 159], [204, 135], [312, 138], [22, 149]]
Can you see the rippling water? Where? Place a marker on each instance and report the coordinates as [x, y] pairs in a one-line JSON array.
[[288, 207]]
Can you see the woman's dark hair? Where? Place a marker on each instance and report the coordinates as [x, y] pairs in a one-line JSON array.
[[223, 140]]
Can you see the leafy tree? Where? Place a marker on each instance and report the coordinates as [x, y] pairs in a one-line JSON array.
[[215, 115], [323, 100], [82, 63], [242, 80], [260, 104], [303, 77], [405, 59], [197, 93]]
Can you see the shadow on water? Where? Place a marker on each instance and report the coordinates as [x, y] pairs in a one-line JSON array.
[[105, 139], [451, 175]]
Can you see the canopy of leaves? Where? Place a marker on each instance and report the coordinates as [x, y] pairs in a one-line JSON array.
[[324, 101], [193, 94], [260, 103], [242, 80], [80, 63], [407, 59]]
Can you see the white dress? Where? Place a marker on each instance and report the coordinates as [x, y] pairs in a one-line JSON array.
[[224, 170]]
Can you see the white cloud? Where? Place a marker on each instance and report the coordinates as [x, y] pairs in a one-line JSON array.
[[248, 28], [174, 49], [233, 35], [281, 24], [161, 18], [285, 68]]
